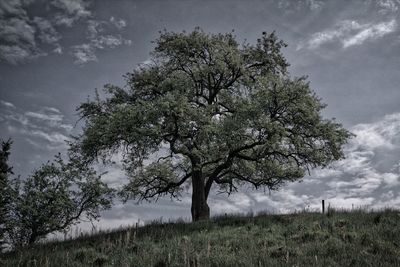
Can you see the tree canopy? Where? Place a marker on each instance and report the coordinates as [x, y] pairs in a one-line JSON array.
[[207, 110], [56, 196]]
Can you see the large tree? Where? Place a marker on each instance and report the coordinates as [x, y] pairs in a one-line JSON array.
[[207, 110]]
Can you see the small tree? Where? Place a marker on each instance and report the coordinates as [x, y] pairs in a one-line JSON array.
[[207, 110], [5, 171], [55, 197]]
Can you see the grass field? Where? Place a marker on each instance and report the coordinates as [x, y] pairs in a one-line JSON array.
[[339, 238]]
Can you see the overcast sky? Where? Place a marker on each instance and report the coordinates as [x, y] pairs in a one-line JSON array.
[[53, 54]]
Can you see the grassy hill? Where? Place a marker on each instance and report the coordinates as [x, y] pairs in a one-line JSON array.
[[345, 238]]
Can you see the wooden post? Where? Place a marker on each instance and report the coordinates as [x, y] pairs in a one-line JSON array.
[[323, 206]]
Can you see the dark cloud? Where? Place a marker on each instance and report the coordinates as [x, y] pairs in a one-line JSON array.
[[14, 7], [46, 32], [19, 35], [17, 40], [25, 36], [70, 11]]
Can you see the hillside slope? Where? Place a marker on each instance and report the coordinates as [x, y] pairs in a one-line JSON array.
[[355, 238]]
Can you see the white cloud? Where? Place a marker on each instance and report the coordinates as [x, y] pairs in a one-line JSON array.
[[119, 23], [349, 33], [390, 179], [282, 201], [108, 41], [387, 6], [86, 52], [372, 32], [290, 6], [315, 4], [55, 138], [382, 134], [389, 202], [58, 50], [319, 38], [43, 128], [83, 53], [7, 104], [94, 28], [73, 7], [221, 206], [63, 20], [356, 160], [15, 117], [365, 184], [53, 118], [52, 109], [360, 175]]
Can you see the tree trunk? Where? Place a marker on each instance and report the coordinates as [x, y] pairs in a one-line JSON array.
[[200, 209], [32, 239]]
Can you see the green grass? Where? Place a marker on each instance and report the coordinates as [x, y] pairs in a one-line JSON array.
[[339, 238]]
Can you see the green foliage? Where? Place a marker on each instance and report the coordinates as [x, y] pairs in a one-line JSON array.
[[53, 198], [5, 171], [210, 109], [303, 239]]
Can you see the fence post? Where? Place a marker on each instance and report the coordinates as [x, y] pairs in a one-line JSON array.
[[323, 206]]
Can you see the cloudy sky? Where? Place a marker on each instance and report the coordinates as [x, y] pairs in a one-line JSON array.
[[53, 54]]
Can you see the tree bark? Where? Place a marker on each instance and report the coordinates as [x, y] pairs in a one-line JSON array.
[[32, 239], [200, 209]]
